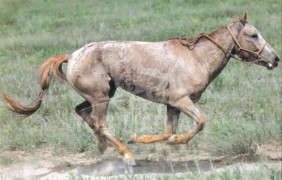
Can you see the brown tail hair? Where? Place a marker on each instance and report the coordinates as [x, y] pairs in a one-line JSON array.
[[53, 66]]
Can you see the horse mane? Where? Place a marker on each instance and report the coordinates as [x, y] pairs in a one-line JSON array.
[[192, 41]]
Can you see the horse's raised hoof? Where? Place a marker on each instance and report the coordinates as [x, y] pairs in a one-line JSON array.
[[172, 139], [177, 139], [132, 139]]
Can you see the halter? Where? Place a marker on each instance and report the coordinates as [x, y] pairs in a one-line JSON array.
[[184, 40], [257, 54]]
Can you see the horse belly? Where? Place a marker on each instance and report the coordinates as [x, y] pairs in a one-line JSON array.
[[152, 88]]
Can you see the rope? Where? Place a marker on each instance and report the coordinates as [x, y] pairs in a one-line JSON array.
[[191, 45]]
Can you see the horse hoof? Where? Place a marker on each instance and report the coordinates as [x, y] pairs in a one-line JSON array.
[[102, 147], [128, 158], [132, 139], [171, 139], [130, 162]]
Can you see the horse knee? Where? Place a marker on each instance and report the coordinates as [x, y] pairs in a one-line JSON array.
[[201, 123], [103, 131]]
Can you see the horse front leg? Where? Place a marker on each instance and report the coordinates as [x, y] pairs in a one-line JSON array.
[[172, 122], [187, 106]]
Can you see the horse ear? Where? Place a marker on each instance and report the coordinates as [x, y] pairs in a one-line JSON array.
[[242, 21], [244, 18]]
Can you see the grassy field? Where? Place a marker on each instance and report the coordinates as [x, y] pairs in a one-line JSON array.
[[242, 106]]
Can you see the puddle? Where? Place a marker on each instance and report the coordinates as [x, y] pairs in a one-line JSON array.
[[117, 167]]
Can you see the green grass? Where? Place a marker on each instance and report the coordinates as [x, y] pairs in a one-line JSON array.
[[262, 172], [242, 106]]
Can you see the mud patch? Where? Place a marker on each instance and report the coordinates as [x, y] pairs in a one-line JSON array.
[[118, 167], [44, 165]]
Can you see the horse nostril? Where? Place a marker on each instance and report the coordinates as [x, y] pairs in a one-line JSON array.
[[277, 59]]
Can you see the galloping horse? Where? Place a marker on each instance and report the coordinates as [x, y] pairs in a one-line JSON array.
[[174, 72]]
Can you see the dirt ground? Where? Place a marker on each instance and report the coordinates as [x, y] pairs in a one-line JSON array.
[[42, 164]]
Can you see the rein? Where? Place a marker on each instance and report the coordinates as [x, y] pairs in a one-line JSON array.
[[185, 41]]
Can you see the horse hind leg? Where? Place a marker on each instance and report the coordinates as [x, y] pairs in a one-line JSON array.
[[84, 110], [99, 115], [96, 86], [172, 122]]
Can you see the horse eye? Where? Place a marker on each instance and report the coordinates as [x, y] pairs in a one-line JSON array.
[[254, 36]]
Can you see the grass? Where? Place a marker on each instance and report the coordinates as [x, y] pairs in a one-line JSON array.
[[261, 173], [242, 106], [238, 173]]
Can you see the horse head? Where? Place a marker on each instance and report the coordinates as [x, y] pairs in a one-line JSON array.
[[250, 46]]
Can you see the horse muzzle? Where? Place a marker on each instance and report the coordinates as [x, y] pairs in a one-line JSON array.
[[276, 61], [269, 65], [274, 64]]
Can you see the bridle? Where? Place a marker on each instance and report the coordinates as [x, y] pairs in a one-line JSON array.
[[256, 54], [191, 45]]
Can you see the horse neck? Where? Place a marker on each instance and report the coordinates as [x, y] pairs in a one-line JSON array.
[[215, 57]]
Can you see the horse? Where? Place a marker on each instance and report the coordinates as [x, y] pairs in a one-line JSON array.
[[174, 72]]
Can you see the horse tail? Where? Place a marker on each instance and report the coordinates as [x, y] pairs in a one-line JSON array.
[[52, 66]]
